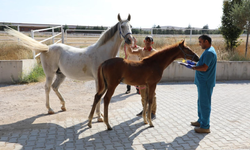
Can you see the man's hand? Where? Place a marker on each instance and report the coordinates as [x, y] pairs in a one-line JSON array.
[[190, 62], [133, 45], [188, 66], [135, 41]]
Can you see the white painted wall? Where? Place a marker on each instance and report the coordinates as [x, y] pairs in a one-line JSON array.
[[226, 70], [15, 69]]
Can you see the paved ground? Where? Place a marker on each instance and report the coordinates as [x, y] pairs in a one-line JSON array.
[[176, 107]]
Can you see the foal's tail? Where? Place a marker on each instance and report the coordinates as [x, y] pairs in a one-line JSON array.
[[102, 84], [27, 41]]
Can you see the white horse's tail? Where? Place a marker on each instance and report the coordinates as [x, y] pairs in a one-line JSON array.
[[27, 41]]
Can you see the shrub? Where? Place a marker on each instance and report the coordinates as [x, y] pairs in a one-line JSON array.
[[36, 75]]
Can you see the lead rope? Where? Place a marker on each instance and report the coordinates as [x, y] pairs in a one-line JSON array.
[[125, 51], [121, 33], [185, 54]]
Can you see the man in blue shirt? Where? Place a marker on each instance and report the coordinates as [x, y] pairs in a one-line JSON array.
[[205, 79]]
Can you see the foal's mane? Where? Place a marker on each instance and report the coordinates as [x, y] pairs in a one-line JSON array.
[[107, 35]]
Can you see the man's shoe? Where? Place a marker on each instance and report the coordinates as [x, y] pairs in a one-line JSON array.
[[196, 124], [138, 92], [127, 92], [153, 116], [140, 114], [201, 130]]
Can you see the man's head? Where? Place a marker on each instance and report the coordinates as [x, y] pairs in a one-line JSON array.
[[205, 41], [148, 41]]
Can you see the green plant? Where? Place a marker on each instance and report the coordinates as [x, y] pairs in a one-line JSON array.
[[35, 76], [237, 57], [229, 31], [241, 17]]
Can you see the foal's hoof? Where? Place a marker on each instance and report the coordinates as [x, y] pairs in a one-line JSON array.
[[151, 125], [90, 126], [63, 108], [110, 128]]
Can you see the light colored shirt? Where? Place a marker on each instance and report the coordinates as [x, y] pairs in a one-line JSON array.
[[141, 52], [133, 57]]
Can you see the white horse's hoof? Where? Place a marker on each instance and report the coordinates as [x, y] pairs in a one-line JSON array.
[[51, 112], [63, 108], [100, 119]]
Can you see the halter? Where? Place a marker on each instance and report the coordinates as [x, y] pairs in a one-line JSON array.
[[185, 54], [121, 33]]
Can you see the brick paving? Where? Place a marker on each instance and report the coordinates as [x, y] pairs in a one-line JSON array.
[[176, 108]]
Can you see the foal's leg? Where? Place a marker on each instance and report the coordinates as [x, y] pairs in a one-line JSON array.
[[98, 105], [96, 101], [151, 91], [49, 78], [145, 106], [55, 86], [107, 98]]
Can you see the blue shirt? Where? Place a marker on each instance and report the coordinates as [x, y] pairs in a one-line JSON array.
[[208, 57]]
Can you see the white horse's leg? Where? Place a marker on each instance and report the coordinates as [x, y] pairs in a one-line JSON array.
[[55, 86], [98, 106], [47, 91]]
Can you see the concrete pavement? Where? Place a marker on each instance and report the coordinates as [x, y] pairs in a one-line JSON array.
[[176, 108]]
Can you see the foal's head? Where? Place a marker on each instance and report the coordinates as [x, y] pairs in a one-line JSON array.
[[187, 53], [125, 29]]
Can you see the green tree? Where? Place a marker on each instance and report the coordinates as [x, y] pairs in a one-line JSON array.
[[241, 17], [229, 31], [187, 31], [65, 27], [157, 29], [205, 29], [7, 24]]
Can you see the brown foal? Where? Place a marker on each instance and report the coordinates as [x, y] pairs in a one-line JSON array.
[[147, 71]]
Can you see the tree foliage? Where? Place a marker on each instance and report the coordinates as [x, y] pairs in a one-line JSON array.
[[2, 27], [241, 17], [229, 31]]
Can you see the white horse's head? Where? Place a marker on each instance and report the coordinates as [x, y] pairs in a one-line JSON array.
[[125, 29]]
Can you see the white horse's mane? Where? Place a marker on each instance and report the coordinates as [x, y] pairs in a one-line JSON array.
[[107, 35]]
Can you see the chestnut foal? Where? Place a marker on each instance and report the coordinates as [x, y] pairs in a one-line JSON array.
[[147, 71]]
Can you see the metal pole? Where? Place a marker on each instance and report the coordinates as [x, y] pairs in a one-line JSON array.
[[66, 35], [190, 35], [32, 36], [53, 39], [62, 33], [247, 27], [18, 29]]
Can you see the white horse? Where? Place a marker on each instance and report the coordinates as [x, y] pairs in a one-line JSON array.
[[76, 63]]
